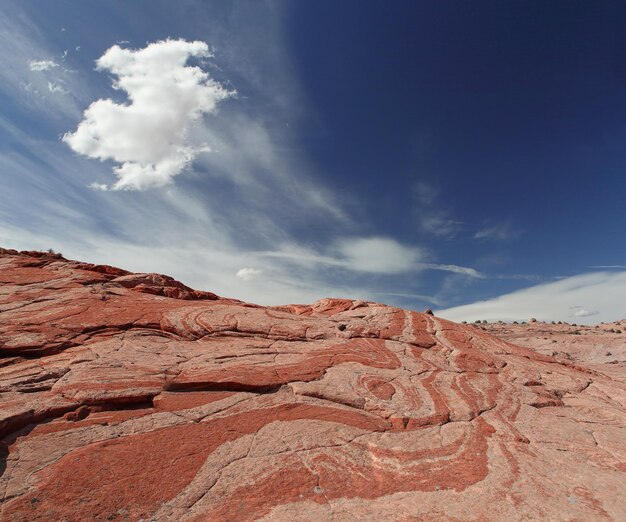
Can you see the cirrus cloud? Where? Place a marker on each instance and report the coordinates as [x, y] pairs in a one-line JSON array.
[[148, 137]]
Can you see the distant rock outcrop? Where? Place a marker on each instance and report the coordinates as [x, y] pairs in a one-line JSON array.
[[601, 348], [131, 396]]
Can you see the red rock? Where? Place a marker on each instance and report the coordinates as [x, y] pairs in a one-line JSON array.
[[131, 396]]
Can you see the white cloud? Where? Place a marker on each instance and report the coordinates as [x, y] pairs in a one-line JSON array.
[[148, 137], [203, 229], [42, 65], [248, 273], [602, 293], [56, 87], [103, 187], [24, 76], [455, 269], [379, 255]]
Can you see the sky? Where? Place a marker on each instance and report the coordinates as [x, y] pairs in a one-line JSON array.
[[468, 157]]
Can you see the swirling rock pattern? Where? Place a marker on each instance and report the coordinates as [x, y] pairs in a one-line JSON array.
[[132, 397]]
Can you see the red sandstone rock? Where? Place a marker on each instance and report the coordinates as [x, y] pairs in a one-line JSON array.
[[601, 347], [130, 396]]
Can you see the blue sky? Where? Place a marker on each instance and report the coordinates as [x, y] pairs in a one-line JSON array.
[[463, 156]]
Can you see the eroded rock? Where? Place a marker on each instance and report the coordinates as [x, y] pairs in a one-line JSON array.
[[130, 396]]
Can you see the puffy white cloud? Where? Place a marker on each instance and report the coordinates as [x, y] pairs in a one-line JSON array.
[[248, 273], [601, 292], [42, 65], [148, 136]]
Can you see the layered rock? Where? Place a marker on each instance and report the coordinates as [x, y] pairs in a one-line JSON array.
[[600, 347], [130, 396]]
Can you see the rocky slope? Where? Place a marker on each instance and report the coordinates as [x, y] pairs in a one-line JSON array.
[[130, 396], [602, 347]]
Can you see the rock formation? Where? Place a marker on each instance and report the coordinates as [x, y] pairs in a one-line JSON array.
[[601, 348], [131, 396]]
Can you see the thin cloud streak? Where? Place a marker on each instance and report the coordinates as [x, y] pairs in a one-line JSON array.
[[417, 297], [456, 269], [498, 232]]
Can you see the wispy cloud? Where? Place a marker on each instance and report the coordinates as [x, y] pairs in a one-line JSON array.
[[432, 216], [42, 65], [31, 74], [601, 292], [498, 232], [248, 273], [379, 255], [455, 269], [56, 87], [439, 225]]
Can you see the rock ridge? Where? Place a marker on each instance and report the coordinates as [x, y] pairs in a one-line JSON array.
[[132, 396]]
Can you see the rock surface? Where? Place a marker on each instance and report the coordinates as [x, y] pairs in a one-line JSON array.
[[130, 396], [601, 347]]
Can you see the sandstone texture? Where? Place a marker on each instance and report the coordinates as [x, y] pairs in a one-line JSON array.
[[133, 397], [601, 347]]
